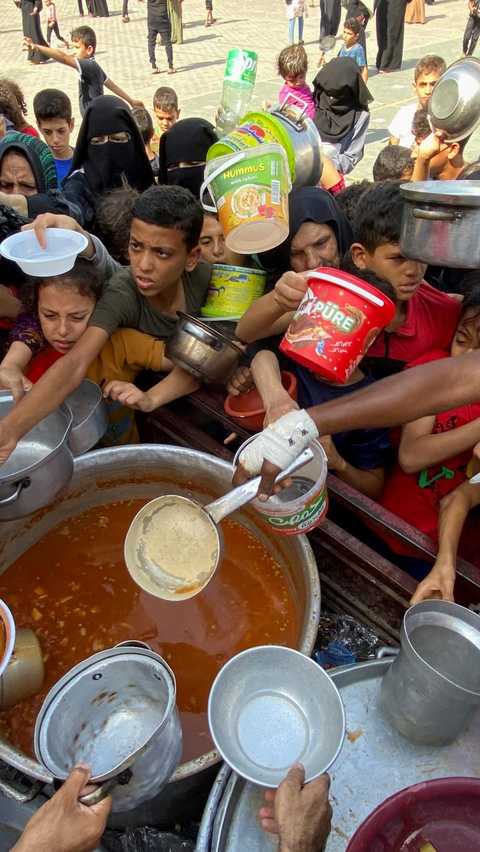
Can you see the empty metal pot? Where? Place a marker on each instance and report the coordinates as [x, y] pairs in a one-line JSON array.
[[90, 417], [433, 685], [305, 140], [205, 353]]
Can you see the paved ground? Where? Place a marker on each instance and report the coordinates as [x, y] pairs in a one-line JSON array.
[[257, 24]]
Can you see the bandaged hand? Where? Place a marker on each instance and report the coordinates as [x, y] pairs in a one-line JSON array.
[[280, 443]]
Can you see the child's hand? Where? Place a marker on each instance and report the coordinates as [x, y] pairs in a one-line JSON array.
[[27, 43], [277, 409], [241, 381], [137, 104], [431, 146], [334, 459], [290, 290], [129, 395], [266, 105], [12, 379], [437, 584]]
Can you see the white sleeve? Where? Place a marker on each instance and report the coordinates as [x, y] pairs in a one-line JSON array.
[[395, 128]]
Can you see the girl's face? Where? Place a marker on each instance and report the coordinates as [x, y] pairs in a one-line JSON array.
[[467, 335], [63, 315]]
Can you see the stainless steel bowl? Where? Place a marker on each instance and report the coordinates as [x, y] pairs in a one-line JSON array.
[[454, 105], [202, 351], [270, 707], [90, 417]]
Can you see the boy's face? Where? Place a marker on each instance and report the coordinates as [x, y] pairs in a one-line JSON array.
[[349, 37], [158, 257], [467, 335], [425, 86], [166, 118], [387, 261], [296, 82], [212, 244], [81, 50], [56, 132]]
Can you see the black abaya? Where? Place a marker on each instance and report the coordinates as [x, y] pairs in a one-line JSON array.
[[32, 28], [98, 8], [330, 13], [390, 16]]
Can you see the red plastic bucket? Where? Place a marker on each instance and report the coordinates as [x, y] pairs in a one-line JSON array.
[[338, 319], [444, 812]]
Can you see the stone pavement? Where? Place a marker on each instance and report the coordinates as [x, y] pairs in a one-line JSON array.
[[257, 24]]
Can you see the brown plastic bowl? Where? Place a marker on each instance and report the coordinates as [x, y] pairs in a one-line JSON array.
[[247, 410]]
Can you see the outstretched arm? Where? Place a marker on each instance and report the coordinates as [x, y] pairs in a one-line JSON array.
[[51, 52], [109, 84]]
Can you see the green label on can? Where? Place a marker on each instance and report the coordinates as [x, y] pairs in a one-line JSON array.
[[303, 520], [241, 66]]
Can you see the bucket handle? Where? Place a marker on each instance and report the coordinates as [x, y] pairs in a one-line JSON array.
[[293, 98], [216, 172], [347, 285], [23, 483]]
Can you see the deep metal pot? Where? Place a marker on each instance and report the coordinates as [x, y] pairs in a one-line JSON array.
[[454, 105], [90, 417], [146, 471], [433, 685], [40, 466], [305, 140], [202, 351], [440, 223]]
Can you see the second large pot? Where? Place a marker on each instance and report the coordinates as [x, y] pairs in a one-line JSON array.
[[440, 223], [306, 142]]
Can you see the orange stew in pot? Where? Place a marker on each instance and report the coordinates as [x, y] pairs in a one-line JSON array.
[[73, 589]]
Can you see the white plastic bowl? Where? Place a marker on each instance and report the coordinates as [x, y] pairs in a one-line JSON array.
[[9, 627], [63, 246]]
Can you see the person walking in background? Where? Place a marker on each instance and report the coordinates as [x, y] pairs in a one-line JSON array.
[[351, 47], [330, 14], [415, 12], [390, 30], [296, 10], [362, 13], [80, 8], [52, 23], [209, 20], [159, 24], [31, 28], [472, 30]]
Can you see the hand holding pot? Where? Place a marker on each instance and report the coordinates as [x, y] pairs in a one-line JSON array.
[[432, 145], [63, 823], [301, 816]]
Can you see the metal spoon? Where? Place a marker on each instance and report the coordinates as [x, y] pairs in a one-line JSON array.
[[174, 546]]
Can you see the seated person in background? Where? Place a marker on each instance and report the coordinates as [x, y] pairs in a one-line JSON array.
[[113, 219], [14, 108], [357, 457], [213, 248], [351, 47], [58, 310], [292, 65], [349, 197], [164, 277], [435, 451], [393, 163], [438, 158], [427, 72], [145, 126], [425, 318], [53, 111], [28, 179], [342, 115], [167, 113]]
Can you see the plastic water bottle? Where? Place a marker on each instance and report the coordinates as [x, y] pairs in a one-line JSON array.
[[238, 84]]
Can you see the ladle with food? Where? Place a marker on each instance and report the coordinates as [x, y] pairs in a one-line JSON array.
[[174, 544]]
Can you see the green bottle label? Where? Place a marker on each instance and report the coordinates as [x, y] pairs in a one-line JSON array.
[[241, 66]]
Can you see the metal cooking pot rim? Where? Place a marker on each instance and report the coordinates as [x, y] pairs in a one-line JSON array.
[[80, 669], [461, 193], [14, 476], [217, 334], [453, 72]]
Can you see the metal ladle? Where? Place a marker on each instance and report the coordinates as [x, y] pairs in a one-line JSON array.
[[174, 544]]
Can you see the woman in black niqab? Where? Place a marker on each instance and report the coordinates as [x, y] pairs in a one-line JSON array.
[[183, 153]]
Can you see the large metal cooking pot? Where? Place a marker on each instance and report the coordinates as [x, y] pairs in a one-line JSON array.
[[202, 351], [305, 140], [146, 471], [40, 466], [454, 105], [440, 223]]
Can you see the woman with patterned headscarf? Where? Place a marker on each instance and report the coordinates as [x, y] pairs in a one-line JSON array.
[[28, 178]]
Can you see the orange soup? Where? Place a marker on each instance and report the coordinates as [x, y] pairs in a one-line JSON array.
[[73, 589]]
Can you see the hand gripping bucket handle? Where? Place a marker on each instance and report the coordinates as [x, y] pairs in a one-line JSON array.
[[216, 172]]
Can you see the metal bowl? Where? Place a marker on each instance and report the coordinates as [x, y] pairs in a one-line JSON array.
[[270, 707], [202, 351], [90, 417], [454, 105]]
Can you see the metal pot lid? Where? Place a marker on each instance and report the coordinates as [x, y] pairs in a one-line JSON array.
[[454, 105], [461, 193]]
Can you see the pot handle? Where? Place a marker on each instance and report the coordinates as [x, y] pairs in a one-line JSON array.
[[206, 183], [11, 792], [23, 483], [437, 215], [100, 793], [382, 653]]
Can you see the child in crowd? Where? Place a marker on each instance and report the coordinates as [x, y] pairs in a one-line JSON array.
[[296, 10], [472, 30], [357, 457], [113, 219], [420, 129], [209, 20], [92, 78], [349, 197], [212, 244], [145, 126], [427, 71], [167, 113], [435, 452], [52, 23], [439, 159], [351, 47], [63, 304], [14, 108], [394, 162], [53, 112], [292, 65]]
